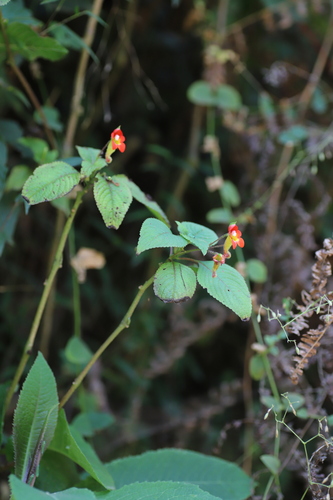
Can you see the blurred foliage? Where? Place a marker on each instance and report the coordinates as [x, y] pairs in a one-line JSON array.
[[227, 111]]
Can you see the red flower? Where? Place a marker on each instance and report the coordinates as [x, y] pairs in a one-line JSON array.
[[118, 140], [233, 238]]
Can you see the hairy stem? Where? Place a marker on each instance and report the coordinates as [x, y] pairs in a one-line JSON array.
[[43, 300], [125, 323]]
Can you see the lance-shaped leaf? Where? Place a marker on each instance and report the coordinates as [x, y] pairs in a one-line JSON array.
[[70, 443], [35, 419], [152, 206], [92, 162], [155, 234], [49, 182], [200, 236], [174, 282], [113, 198], [228, 287]]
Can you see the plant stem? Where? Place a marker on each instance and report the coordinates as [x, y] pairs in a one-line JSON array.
[[76, 288], [42, 303], [125, 323]]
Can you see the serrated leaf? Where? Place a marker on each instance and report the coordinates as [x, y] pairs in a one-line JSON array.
[[174, 282], [77, 351], [200, 236], [224, 96], [22, 491], [25, 41], [50, 181], [160, 490], [92, 162], [156, 234], [229, 287], [113, 198], [88, 423], [35, 418], [272, 463], [143, 198], [217, 477], [70, 443]]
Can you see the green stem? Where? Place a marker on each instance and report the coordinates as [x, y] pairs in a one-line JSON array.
[[125, 322], [43, 300], [76, 288]]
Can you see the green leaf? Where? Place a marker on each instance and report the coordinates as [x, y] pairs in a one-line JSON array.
[[161, 490], [16, 11], [266, 105], [224, 96], [56, 472], [92, 162], [257, 367], [77, 351], [3, 167], [70, 443], [256, 271], [152, 206], [22, 491], [174, 282], [230, 194], [155, 234], [272, 463], [229, 287], [9, 212], [3, 393], [200, 236], [35, 418], [113, 198], [62, 204], [25, 41], [4, 2], [219, 216], [50, 181], [294, 134], [88, 423], [213, 475], [40, 149], [10, 131], [52, 116], [68, 38], [17, 177]]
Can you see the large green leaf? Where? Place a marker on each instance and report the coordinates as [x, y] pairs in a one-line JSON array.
[[224, 96], [228, 287], [49, 182], [152, 206], [21, 491], [156, 234], [174, 282], [35, 418], [25, 41], [218, 477], [160, 490], [200, 236], [69, 442], [92, 162], [113, 198]]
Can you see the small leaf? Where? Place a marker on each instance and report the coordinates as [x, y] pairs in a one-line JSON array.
[[143, 198], [266, 105], [40, 149], [92, 162], [52, 116], [228, 287], [113, 198], [155, 234], [25, 41], [17, 177], [294, 134], [35, 418], [257, 367], [272, 463], [88, 423], [200, 236], [219, 216], [256, 271], [224, 96], [49, 182], [77, 351], [70, 443], [217, 477], [174, 282], [230, 194]]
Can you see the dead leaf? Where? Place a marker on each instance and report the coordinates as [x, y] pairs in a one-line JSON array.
[[87, 258]]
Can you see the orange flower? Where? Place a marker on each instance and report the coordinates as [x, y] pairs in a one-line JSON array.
[[117, 141], [233, 238], [218, 259]]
